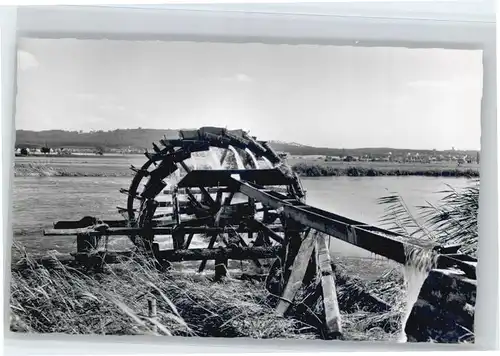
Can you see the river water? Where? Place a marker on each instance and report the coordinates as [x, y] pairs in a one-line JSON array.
[[40, 201]]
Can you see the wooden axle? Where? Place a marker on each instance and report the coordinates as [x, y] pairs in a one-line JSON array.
[[214, 190], [195, 254], [222, 253], [127, 231]]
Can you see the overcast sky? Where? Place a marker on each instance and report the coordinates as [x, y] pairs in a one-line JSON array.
[[318, 95]]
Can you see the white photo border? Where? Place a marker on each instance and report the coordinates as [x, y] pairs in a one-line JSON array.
[[169, 24]]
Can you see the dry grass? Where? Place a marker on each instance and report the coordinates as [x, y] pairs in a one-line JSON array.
[[63, 298], [454, 220], [35, 170]]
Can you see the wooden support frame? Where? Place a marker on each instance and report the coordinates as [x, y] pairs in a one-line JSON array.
[[333, 325]]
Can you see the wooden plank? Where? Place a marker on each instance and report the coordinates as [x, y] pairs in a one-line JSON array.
[[217, 178], [86, 222], [330, 302], [299, 268]]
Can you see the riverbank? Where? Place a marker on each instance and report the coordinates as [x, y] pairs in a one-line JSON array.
[[355, 170], [47, 170]]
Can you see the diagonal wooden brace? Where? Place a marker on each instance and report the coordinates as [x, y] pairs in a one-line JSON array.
[[299, 268]]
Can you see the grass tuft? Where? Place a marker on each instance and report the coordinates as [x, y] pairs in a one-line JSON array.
[[453, 221]]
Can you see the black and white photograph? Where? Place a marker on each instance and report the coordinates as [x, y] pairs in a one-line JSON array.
[[246, 190]]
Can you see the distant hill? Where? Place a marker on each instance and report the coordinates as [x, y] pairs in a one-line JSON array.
[[142, 139], [303, 150], [135, 138]]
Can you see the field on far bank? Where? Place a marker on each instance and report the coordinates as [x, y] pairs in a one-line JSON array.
[[315, 166], [292, 160]]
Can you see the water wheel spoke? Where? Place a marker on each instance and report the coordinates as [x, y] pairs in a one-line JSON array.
[[188, 241]]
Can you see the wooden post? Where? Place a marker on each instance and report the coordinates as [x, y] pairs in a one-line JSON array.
[[83, 243], [160, 263], [298, 271], [211, 244], [188, 241], [293, 241], [147, 219], [220, 268], [175, 205], [218, 198], [332, 312], [178, 239], [152, 312]]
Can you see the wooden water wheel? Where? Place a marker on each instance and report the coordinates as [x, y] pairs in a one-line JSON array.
[[155, 198]]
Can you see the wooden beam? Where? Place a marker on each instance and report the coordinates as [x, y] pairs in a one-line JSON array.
[[330, 302], [222, 177], [299, 268]]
